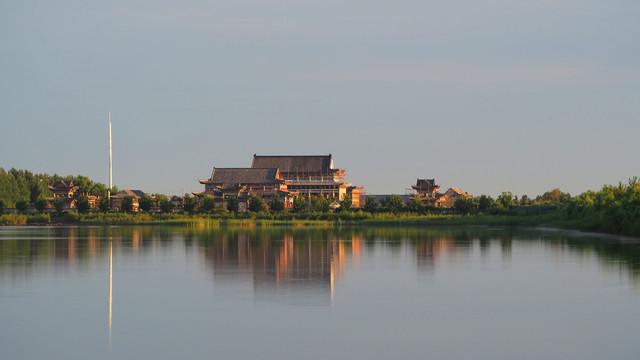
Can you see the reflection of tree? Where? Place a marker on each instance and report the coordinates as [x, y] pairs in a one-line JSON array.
[[285, 260]]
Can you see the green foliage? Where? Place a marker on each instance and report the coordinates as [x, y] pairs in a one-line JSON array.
[[232, 203], [145, 203], [22, 205], [207, 205], [370, 204], [41, 204], [83, 204], [276, 205], [39, 219], [166, 205], [190, 203], [2, 206], [463, 205], [416, 205], [13, 219], [505, 200], [58, 204], [320, 203], [394, 204], [104, 205], [485, 202], [555, 196], [160, 197], [613, 209], [299, 204], [127, 204], [256, 204], [16, 185], [345, 203]]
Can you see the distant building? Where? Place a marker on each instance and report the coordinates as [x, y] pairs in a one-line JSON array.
[[311, 175], [65, 191], [116, 200], [450, 196], [427, 192], [244, 182], [70, 194]]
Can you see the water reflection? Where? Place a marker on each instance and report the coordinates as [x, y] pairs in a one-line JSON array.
[[290, 265]]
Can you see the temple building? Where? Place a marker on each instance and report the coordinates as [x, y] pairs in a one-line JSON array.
[[450, 196], [116, 200], [427, 192], [70, 194], [66, 191], [310, 175], [244, 182]]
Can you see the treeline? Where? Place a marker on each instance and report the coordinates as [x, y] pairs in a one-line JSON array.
[[23, 189], [613, 209]]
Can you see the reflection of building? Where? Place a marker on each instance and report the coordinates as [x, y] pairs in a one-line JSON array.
[[244, 182], [289, 271], [311, 175]]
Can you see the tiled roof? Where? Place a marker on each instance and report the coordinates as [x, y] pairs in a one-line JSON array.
[[295, 163], [63, 185], [457, 191], [424, 182], [134, 193], [244, 176]]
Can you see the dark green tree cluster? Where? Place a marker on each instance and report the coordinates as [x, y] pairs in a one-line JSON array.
[[23, 189], [613, 209]]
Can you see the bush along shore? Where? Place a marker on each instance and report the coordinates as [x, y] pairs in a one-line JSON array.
[[614, 209]]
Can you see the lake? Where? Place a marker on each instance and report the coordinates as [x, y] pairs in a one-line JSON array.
[[162, 292]]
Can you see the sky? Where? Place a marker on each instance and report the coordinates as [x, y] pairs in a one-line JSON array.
[[488, 96]]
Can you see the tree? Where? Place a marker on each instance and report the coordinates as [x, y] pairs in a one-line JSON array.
[[255, 203], [58, 204], [320, 203], [299, 204], [83, 204], [41, 204], [104, 205], [416, 205], [160, 197], [345, 203], [505, 199], [166, 205], [208, 204], [394, 204], [127, 204], [370, 204], [189, 203], [22, 205], [524, 200], [232, 203], [485, 202], [463, 205], [2, 206], [145, 203], [276, 205]]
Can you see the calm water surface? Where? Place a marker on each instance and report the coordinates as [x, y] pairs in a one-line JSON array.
[[382, 293]]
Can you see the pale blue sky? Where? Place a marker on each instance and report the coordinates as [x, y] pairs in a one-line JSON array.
[[487, 96]]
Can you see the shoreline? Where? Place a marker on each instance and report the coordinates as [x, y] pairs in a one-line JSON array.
[[547, 222]]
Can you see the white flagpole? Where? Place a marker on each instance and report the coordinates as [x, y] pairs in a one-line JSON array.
[[110, 159]]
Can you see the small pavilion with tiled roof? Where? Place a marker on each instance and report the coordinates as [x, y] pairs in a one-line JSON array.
[[244, 182]]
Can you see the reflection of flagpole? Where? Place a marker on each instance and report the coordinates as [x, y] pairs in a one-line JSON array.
[[110, 286]]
